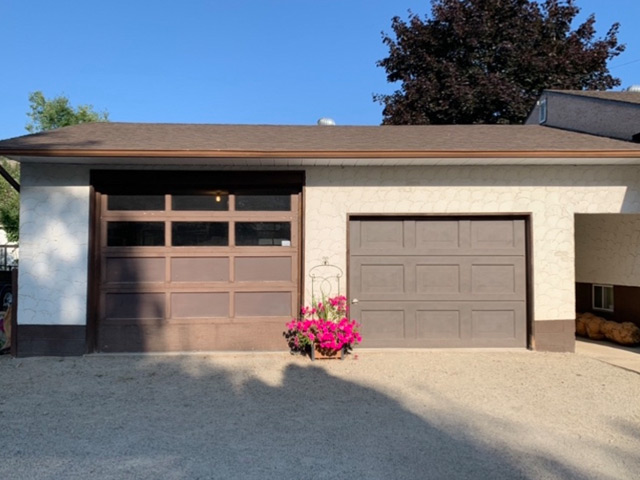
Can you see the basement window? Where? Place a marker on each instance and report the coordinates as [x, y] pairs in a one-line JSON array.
[[603, 297]]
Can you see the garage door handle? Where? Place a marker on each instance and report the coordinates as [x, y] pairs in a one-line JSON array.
[[354, 301]]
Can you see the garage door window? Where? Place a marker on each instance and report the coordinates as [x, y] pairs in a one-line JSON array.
[[199, 234], [265, 203], [135, 234], [200, 203], [263, 233], [135, 202]]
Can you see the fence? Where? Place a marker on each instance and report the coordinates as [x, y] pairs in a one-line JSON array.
[[8, 257]]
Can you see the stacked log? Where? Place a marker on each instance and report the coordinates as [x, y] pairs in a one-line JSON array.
[[598, 328]]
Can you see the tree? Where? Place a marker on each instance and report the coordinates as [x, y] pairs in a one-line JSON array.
[[10, 202], [45, 115], [57, 112], [487, 61]]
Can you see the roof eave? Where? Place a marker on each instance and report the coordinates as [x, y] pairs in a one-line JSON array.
[[302, 154]]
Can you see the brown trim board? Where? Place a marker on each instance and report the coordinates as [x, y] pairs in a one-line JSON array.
[[74, 153], [93, 271], [555, 335], [51, 340]]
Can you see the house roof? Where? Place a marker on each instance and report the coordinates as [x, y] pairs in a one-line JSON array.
[[624, 96], [140, 140]]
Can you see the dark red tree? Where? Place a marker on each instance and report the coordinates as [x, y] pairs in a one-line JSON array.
[[487, 61]]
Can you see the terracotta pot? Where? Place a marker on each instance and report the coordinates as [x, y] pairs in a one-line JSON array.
[[317, 353]]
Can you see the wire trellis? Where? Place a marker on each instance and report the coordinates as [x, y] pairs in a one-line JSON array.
[[325, 280]]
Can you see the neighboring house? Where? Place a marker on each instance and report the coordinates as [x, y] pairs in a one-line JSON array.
[[607, 245], [159, 237], [608, 114]]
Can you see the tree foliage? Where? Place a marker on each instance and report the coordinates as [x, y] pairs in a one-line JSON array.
[[58, 112], [45, 115], [487, 61], [10, 202]]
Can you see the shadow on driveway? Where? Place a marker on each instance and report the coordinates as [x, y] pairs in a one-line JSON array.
[[249, 418]]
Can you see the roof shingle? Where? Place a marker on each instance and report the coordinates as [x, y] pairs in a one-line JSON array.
[[184, 140]]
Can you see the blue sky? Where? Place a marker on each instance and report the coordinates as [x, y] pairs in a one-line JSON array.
[[246, 61]]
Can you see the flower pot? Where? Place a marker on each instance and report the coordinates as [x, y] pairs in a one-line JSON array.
[[317, 353]]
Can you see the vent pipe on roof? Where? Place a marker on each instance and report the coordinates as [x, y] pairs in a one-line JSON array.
[[634, 88], [326, 122]]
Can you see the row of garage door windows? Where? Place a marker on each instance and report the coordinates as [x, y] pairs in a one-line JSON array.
[[216, 201], [198, 233]]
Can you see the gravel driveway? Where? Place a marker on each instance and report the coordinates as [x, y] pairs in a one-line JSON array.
[[382, 415]]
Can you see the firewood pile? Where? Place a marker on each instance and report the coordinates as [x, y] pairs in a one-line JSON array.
[[598, 328]]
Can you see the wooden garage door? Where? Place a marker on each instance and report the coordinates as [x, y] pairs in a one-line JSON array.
[[439, 282], [190, 272]]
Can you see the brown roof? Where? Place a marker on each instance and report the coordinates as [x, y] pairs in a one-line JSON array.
[[194, 140], [626, 97]]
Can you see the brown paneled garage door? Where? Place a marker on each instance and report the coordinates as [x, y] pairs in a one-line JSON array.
[[439, 281], [187, 268]]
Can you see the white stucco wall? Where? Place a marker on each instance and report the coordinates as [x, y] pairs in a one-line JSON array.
[[552, 194], [608, 249], [54, 232], [55, 221]]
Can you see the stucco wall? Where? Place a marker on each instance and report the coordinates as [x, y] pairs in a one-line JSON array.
[[55, 221], [608, 249], [54, 232], [551, 194]]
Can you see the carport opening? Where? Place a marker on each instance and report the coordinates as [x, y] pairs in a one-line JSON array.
[[607, 273]]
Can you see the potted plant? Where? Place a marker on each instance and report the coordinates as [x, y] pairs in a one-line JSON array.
[[323, 330]]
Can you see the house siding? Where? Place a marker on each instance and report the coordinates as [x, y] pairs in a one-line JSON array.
[[607, 249], [54, 232]]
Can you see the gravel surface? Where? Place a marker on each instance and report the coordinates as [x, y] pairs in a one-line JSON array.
[[377, 415]]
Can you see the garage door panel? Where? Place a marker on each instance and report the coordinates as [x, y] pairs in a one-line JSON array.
[[504, 276], [263, 269], [386, 279], [385, 234], [499, 320], [135, 305], [497, 234], [200, 305], [493, 279], [258, 304], [437, 235], [199, 269], [494, 323], [134, 270], [438, 279], [382, 323], [438, 324]]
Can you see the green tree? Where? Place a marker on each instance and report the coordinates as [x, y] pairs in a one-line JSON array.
[[58, 112], [45, 115], [487, 61], [10, 202]]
